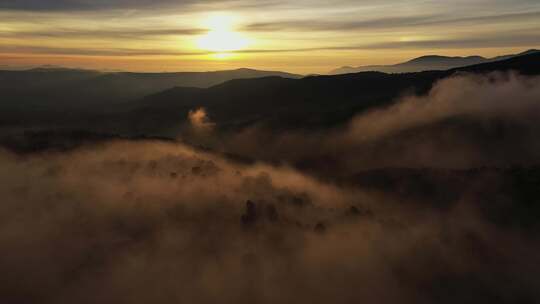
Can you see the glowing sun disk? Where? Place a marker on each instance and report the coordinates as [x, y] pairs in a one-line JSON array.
[[222, 41], [221, 37]]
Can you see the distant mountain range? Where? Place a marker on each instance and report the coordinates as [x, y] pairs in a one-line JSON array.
[[426, 63], [153, 105], [284, 103], [74, 88]]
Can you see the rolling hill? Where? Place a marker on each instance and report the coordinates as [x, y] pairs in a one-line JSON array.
[[310, 102], [72, 89], [276, 102]]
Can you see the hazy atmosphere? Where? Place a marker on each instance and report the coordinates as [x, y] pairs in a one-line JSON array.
[[269, 151], [306, 36]]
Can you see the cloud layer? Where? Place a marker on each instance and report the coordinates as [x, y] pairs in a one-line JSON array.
[[143, 222], [279, 30], [395, 207], [465, 121]]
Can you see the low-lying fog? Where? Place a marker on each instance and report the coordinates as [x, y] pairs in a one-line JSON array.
[[150, 221]]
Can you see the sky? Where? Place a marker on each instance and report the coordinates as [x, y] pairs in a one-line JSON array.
[[297, 36]]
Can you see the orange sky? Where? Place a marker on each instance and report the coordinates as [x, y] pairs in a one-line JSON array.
[[297, 36]]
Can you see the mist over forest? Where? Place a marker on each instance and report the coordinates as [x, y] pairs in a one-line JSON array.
[[371, 187]]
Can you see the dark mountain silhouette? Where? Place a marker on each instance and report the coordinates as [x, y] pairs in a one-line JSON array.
[[504, 57], [427, 63], [53, 87], [279, 103], [310, 102]]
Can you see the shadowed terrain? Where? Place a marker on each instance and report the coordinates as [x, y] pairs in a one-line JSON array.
[[368, 187]]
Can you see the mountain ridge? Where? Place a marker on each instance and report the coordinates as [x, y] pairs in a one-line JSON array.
[[74, 88], [309, 102], [428, 62], [284, 103]]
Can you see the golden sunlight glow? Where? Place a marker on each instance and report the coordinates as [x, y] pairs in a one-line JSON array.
[[221, 37]]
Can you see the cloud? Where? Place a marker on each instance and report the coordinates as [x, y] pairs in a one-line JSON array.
[[105, 34], [466, 121], [82, 5], [508, 40], [318, 25], [389, 23], [95, 52], [489, 41], [458, 43], [141, 6], [362, 25], [314, 216], [508, 96], [148, 221], [200, 121]]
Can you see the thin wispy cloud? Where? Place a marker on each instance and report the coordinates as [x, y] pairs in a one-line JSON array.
[[106, 34], [95, 52], [343, 32], [388, 22]]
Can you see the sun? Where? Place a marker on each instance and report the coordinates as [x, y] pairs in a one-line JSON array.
[[221, 36], [222, 41]]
